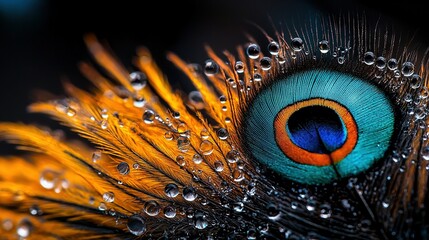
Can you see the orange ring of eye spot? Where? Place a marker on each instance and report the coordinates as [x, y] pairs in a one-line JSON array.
[[302, 156]]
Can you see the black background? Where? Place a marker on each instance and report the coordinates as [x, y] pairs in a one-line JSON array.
[[41, 40]]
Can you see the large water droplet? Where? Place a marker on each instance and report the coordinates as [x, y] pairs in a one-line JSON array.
[[253, 51], [324, 46], [172, 190], [239, 67], [392, 64], [170, 212], [273, 212], [189, 194], [96, 155], [200, 222], [196, 100], [206, 147], [109, 197], [139, 102], [415, 81], [123, 168], [183, 143], [24, 228], [197, 158], [265, 63], [138, 80], [369, 58], [222, 133], [49, 178], [151, 208], [380, 63], [210, 67], [273, 48], [233, 156], [136, 225], [148, 116], [297, 44], [325, 211], [407, 69], [218, 166], [257, 77]]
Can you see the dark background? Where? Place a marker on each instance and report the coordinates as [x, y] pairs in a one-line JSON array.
[[41, 40]]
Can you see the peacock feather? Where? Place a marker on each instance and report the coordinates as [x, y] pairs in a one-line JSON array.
[[318, 132]]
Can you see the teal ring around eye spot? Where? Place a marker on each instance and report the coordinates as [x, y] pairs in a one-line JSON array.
[[368, 105]]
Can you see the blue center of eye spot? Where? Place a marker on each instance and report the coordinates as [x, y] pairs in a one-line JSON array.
[[317, 129]]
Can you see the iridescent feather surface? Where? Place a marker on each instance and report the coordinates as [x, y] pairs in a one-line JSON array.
[[315, 133]]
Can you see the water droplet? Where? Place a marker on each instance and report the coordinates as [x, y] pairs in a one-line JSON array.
[[265, 63], [196, 100], [239, 67], [35, 210], [138, 80], [297, 44], [183, 143], [397, 73], [109, 197], [71, 112], [252, 234], [168, 135], [49, 178], [425, 153], [392, 64], [171, 190], [369, 58], [365, 225], [222, 99], [123, 168], [197, 158], [253, 51], [380, 63], [222, 133], [324, 46], [385, 203], [189, 194], [104, 124], [24, 228], [206, 147], [419, 113], [341, 60], [7, 225], [170, 212], [218, 166], [102, 206], [151, 208], [200, 222], [139, 102], [311, 205], [136, 225], [273, 212], [325, 211], [407, 69], [294, 205], [96, 155], [148, 116], [238, 206], [257, 77], [204, 134], [273, 48], [233, 156], [210, 67], [238, 175], [415, 81], [180, 160]]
